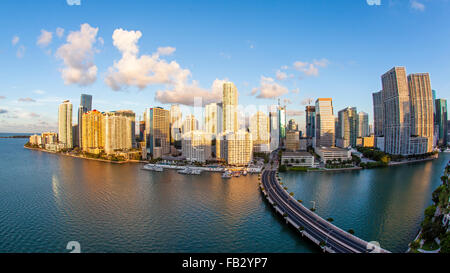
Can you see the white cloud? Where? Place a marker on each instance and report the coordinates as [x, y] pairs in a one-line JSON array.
[[15, 40], [183, 93], [144, 70], [269, 89], [78, 56], [59, 32], [26, 100], [311, 69], [2, 97], [287, 101], [20, 52], [295, 91], [416, 5], [165, 51], [373, 2], [39, 92], [140, 71], [281, 75], [73, 2], [45, 38]]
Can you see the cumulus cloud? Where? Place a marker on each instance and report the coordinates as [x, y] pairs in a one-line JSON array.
[[140, 71], [26, 100], [269, 89], [373, 2], [184, 93], [295, 90], [416, 5], [287, 101], [20, 52], [78, 56], [281, 75], [311, 69], [39, 92], [15, 40], [73, 2], [143, 70], [294, 113], [59, 32], [45, 38], [168, 50]]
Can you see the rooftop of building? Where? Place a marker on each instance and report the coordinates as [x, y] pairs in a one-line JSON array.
[[332, 149], [295, 154]]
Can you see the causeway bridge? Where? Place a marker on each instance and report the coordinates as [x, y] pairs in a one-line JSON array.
[[328, 236]]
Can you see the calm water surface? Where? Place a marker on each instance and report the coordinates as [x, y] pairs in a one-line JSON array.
[[47, 200]]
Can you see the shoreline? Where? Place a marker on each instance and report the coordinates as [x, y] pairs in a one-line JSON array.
[[83, 157], [360, 168]]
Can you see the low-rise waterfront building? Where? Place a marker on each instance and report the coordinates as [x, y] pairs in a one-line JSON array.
[[302, 159], [331, 153]]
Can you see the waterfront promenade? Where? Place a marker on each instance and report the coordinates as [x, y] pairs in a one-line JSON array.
[[329, 237]]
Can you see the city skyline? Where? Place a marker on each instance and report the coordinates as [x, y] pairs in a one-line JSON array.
[[298, 71]]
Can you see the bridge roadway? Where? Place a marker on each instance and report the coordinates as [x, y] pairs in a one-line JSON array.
[[335, 239]]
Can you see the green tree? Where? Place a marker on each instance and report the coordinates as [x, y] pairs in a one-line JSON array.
[[445, 244]]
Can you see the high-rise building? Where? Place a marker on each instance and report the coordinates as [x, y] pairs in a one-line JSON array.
[[363, 124], [348, 127], [119, 133], [230, 104], [176, 122], [441, 121], [282, 122], [260, 130], [213, 118], [422, 121], [397, 113], [157, 127], [378, 115], [189, 124], [65, 124], [292, 125], [325, 123], [310, 121], [93, 132], [85, 106], [292, 140], [196, 146], [236, 148], [274, 129]]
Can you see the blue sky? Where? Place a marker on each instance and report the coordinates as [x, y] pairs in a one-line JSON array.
[[292, 50]]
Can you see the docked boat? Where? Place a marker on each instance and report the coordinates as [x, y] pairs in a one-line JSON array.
[[185, 171], [196, 171], [226, 175], [153, 168]]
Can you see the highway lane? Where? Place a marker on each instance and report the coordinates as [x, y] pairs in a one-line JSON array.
[[355, 244], [335, 238], [309, 227]]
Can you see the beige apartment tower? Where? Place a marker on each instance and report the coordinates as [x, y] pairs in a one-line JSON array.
[[230, 104], [325, 123], [65, 124], [421, 107], [93, 132], [260, 130]]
